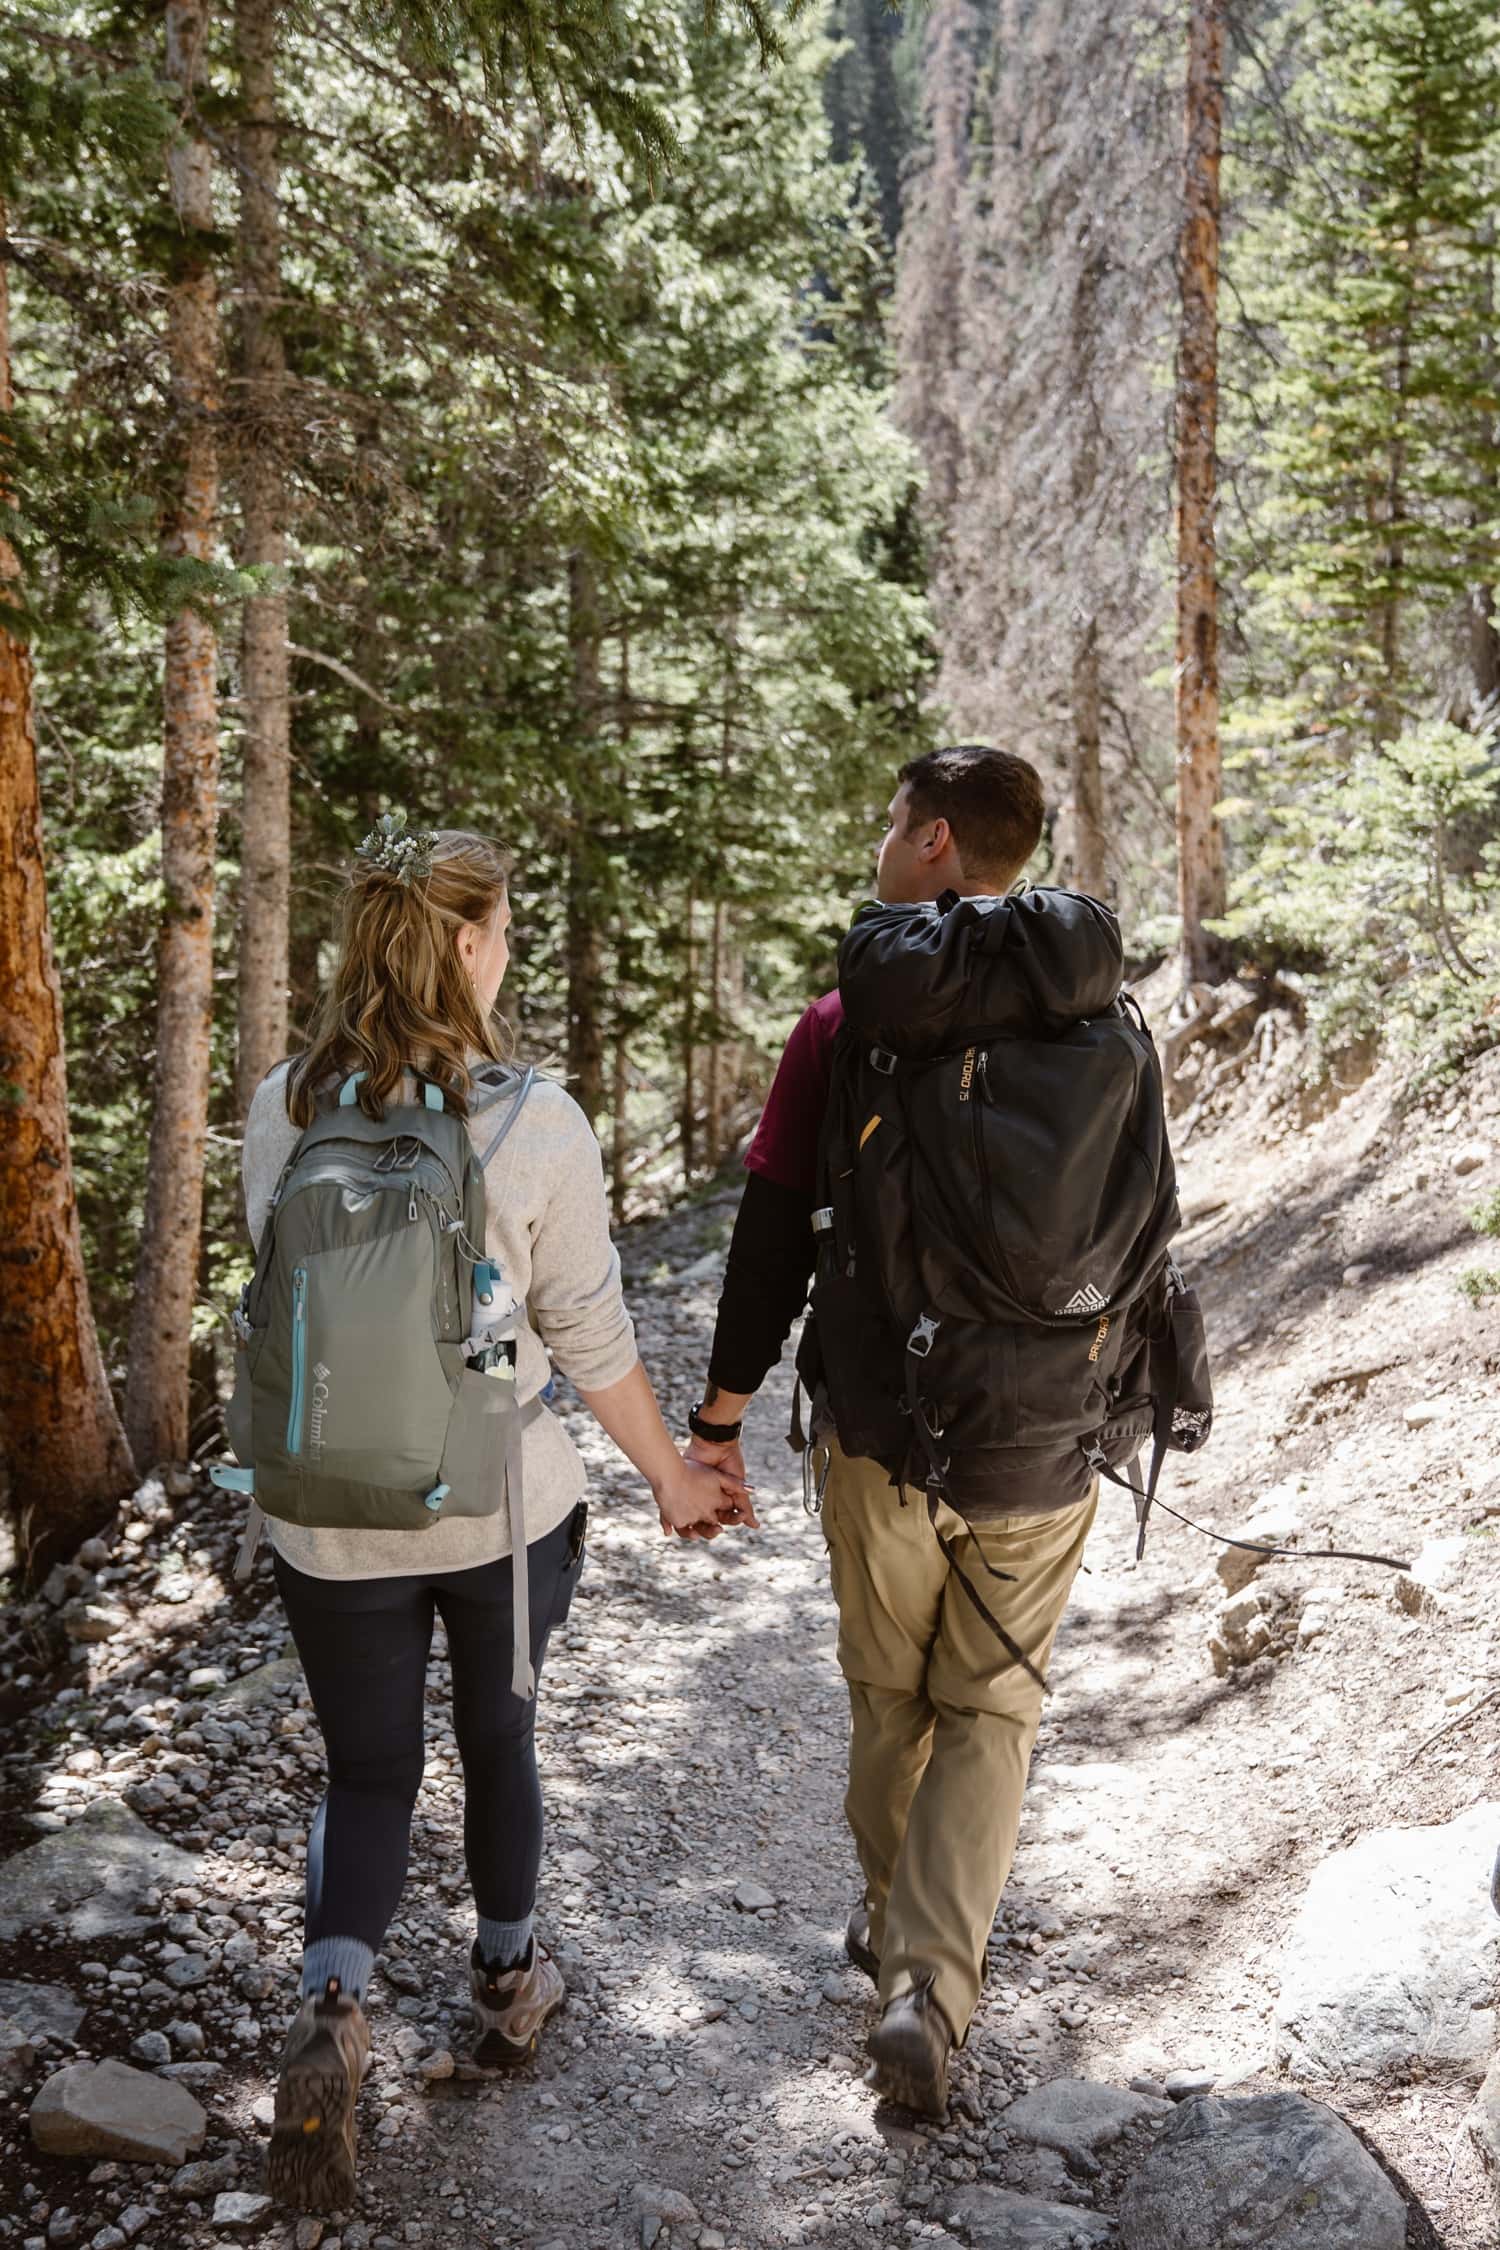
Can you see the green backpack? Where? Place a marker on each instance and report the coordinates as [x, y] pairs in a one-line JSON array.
[[375, 1362]]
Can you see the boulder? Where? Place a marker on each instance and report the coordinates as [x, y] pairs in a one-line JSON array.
[[996, 2218], [1419, 1591], [89, 1876], [1242, 1634], [266, 1684], [108, 2109], [1394, 1955], [1078, 2118], [1483, 2122], [1275, 2172], [1277, 1521]]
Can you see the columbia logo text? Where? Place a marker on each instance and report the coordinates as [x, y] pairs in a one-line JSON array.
[[319, 1409]]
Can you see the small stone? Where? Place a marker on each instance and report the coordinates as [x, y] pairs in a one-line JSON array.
[[133, 2218], [93, 1620], [1181, 2084], [309, 2234], [1471, 1158], [1420, 1590], [1144, 2083], [438, 2065], [204, 1678], [108, 2238], [1312, 1625], [208, 2177], [63, 2227], [752, 1897], [17, 2054], [152, 2047], [263, 2110], [240, 2209], [108, 2109], [1355, 1275], [193, 1969], [187, 2037], [1424, 1413]]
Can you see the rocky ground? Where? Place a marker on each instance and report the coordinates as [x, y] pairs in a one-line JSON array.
[[1190, 1866]]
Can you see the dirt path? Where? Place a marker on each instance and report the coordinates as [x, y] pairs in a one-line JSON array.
[[693, 1732]]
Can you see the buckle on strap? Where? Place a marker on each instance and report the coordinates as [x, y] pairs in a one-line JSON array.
[[922, 1338], [822, 1221], [884, 1061]]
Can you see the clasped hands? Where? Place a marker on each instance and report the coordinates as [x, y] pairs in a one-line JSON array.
[[706, 1493]]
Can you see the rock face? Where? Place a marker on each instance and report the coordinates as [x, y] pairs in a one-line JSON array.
[[1277, 2172], [1394, 1954], [89, 1875], [996, 2219], [1483, 2122], [1078, 2118], [108, 2109]]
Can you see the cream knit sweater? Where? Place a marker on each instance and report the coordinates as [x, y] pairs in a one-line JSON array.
[[548, 1229]]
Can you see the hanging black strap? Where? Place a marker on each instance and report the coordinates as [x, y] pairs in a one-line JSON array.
[[1148, 1498], [796, 1436]]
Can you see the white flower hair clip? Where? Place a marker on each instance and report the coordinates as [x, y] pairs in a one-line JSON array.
[[398, 850]]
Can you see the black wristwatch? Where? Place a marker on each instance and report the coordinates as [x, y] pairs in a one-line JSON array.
[[712, 1433]]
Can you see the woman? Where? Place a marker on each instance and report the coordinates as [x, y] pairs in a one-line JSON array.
[[422, 955]]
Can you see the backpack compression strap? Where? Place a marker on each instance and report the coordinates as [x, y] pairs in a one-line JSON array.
[[918, 1345]]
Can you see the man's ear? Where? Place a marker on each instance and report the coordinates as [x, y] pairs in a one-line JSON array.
[[938, 842]]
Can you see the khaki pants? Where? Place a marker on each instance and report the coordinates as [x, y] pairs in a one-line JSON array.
[[942, 1719]]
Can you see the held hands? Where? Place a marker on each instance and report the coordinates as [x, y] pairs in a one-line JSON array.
[[705, 1493]]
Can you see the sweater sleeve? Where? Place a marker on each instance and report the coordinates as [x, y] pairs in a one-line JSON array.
[[576, 1301], [765, 1283]]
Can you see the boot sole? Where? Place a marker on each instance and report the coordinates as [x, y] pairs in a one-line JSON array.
[[494, 2052], [309, 2165], [904, 2070], [863, 1957]]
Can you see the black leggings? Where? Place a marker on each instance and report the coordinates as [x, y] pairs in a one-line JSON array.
[[364, 1645]]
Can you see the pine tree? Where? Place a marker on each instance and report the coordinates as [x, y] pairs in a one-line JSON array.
[[1373, 445]]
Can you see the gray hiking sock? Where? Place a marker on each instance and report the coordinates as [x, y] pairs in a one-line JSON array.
[[347, 1958], [504, 1945]]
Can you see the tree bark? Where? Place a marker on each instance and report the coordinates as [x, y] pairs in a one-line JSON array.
[[1484, 639], [265, 802], [67, 1462], [1200, 842], [1084, 856], [619, 1151], [687, 1116], [713, 1130], [583, 941], [166, 1272]]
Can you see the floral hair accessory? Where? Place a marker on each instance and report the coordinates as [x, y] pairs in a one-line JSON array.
[[398, 850]]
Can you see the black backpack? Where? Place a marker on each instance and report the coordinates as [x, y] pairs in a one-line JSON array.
[[995, 1314]]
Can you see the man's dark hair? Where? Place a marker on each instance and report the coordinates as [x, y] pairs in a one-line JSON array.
[[991, 799]]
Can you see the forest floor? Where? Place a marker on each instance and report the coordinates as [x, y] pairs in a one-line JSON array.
[[706, 2074]]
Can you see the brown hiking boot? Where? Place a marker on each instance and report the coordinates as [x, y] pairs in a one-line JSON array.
[[311, 2164], [511, 2005], [909, 2048], [857, 1943]]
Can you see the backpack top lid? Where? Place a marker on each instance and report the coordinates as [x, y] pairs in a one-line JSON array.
[[916, 979]]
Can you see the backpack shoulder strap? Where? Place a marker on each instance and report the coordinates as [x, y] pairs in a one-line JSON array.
[[518, 1103]]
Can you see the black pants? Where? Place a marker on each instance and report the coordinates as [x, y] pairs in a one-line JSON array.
[[364, 1644]]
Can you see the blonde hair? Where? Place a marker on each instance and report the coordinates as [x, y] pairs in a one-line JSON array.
[[400, 994]]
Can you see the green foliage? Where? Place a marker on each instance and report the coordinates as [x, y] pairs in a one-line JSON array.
[[1366, 879], [1485, 1216]]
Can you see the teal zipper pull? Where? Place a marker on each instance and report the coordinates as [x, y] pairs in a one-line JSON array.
[[299, 1360], [411, 1205]]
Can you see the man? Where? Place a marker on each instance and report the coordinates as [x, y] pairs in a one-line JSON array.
[[943, 1716]]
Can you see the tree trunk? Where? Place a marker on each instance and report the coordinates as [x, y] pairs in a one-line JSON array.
[[583, 942], [1200, 841], [1084, 856], [619, 1152], [66, 1458], [714, 1089], [166, 1272], [1484, 640], [688, 1113], [265, 804]]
